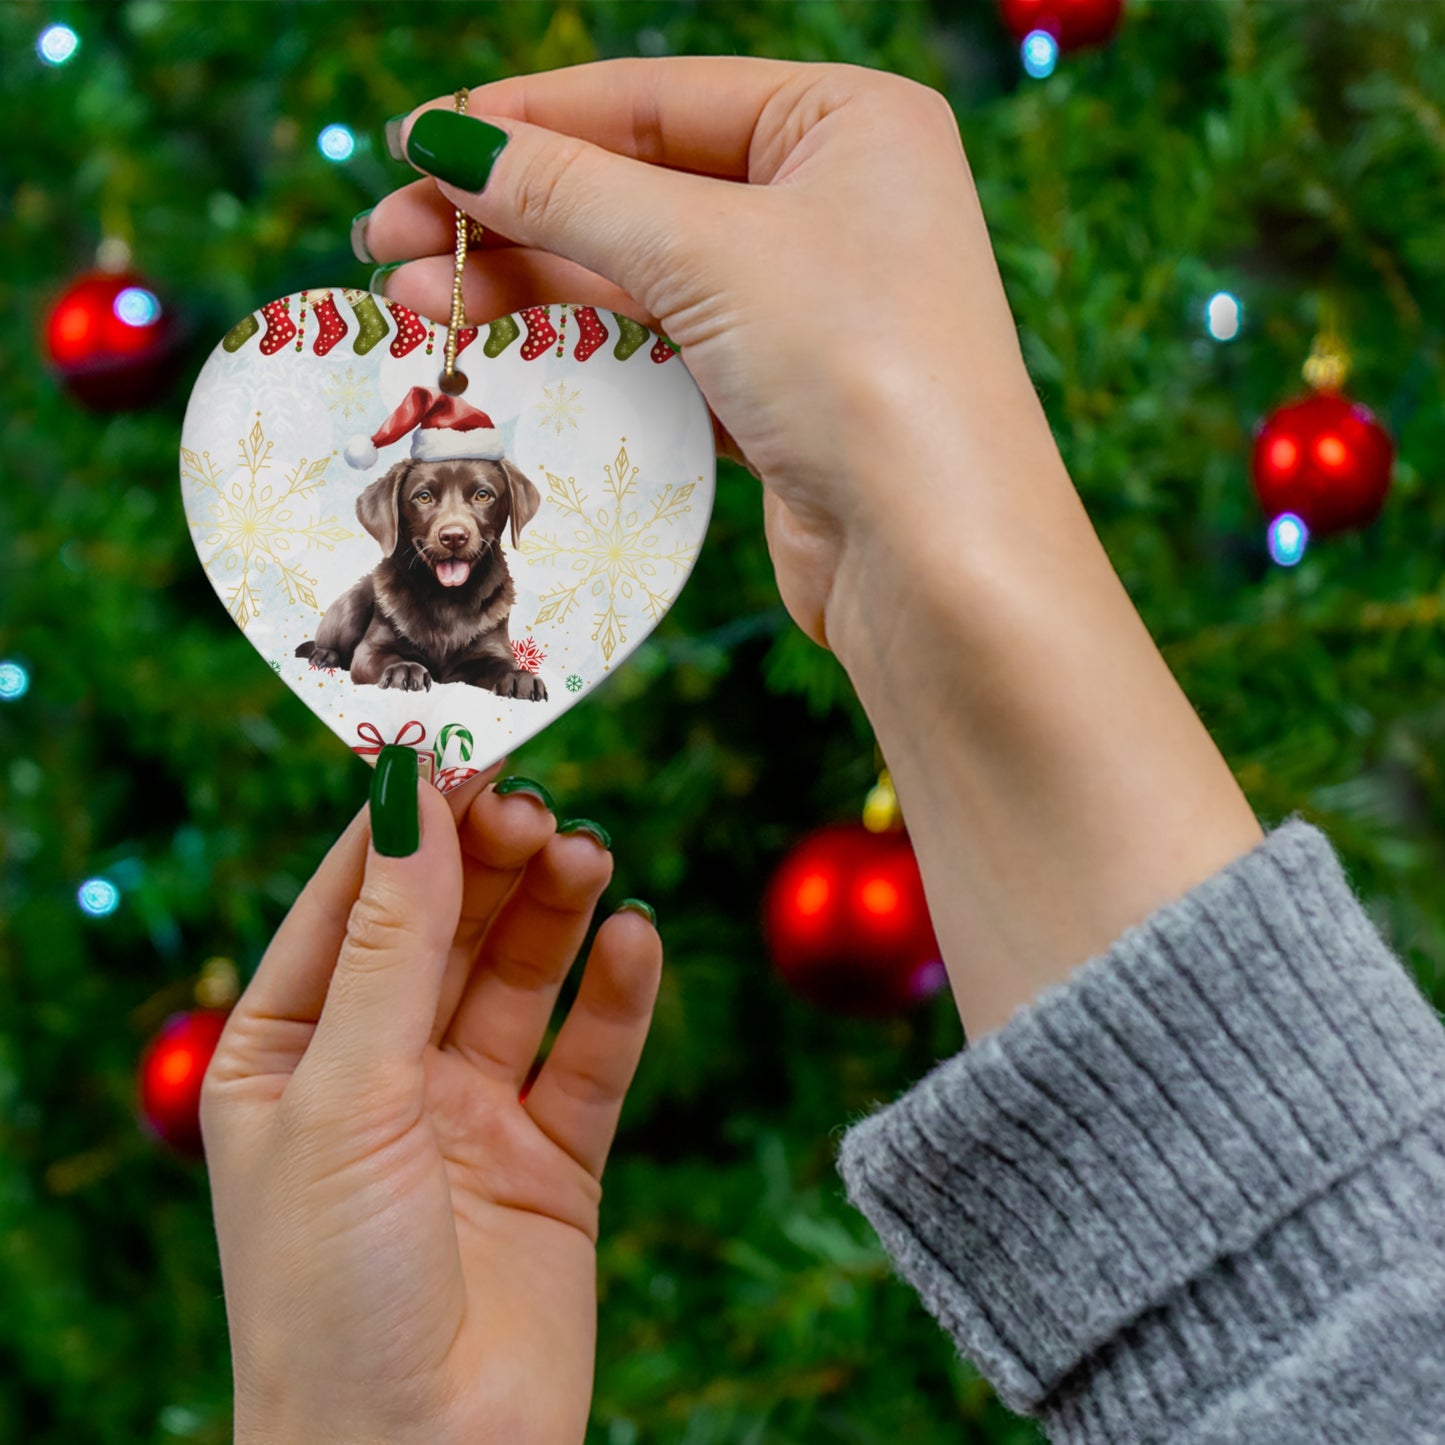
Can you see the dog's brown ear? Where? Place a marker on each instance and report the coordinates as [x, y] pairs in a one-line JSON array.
[[525, 500], [376, 507]]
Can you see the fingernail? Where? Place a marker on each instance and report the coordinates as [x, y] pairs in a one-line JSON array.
[[359, 248], [377, 284], [526, 785], [393, 137], [395, 820], [455, 148], [586, 825], [636, 905]]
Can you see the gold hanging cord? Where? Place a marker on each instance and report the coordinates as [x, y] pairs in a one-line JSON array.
[[454, 382]]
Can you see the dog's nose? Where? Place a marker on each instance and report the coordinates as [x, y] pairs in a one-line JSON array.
[[453, 537]]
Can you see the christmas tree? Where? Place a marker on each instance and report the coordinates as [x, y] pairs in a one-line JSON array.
[[1179, 215]]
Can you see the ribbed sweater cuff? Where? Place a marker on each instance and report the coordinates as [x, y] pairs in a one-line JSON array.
[[1133, 1154]]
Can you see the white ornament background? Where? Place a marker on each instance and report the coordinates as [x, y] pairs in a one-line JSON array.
[[280, 541]]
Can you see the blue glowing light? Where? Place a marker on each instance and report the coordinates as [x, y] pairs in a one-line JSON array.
[[57, 44], [137, 307], [336, 143], [1223, 316], [14, 681], [98, 897], [1288, 538], [1040, 53]]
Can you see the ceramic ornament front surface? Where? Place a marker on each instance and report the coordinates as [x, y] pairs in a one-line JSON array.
[[450, 573]]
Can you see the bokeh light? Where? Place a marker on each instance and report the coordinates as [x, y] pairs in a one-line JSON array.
[[177, 1066], [14, 681], [336, 143], [1040, 52], [1282, 455], [879, 897], [98, 897], [57, 44], [930, 977], [813, 894], [137, 307], [1223, 316], [1288, 538]]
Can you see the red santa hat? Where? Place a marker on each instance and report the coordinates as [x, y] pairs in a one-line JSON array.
[[443, 429]]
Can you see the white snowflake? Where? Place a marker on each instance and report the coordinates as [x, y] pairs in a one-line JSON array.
[[559, 410], [617, 554], [250, 525], [348, 392]]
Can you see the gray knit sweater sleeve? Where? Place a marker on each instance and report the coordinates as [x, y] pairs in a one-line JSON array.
[[1196, 1192]]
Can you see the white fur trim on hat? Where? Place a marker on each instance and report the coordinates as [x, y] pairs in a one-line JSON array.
[[448, 444]]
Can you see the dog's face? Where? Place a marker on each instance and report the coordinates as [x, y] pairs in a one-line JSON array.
[[447, 515]]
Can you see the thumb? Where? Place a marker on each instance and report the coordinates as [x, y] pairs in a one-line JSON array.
[[382, 1000], [628, 221]]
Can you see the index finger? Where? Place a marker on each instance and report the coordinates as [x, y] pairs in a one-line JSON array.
[[690, 113]]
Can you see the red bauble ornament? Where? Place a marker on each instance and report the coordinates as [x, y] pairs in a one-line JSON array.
[[1324, 458], [847, 923], [1073, 23], [171, 1071], [111, 341]]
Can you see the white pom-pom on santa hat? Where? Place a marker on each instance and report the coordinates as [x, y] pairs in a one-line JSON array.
[[360, 452], [444, 428]]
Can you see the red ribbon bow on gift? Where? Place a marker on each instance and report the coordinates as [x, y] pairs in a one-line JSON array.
[[375, 742]]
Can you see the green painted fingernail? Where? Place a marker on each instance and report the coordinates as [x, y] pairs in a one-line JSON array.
[[359, 248], [377, 284], [392, 131], [455, 148], [586, 825], [526, 785], [395, 820], [636, 905]]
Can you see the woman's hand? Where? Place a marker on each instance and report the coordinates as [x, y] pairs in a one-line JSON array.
[[809, 236], [408, 1249]]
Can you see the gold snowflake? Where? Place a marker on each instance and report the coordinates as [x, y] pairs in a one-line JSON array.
[[349, 392], [251, 526], [616, 553], [559, 410]]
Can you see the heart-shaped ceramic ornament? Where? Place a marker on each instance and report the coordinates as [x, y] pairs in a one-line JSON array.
[[446, 572]]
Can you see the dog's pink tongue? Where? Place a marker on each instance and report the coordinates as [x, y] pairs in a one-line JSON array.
[[453, 572]]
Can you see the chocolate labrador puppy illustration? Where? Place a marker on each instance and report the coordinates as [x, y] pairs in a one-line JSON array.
[[435, 608]]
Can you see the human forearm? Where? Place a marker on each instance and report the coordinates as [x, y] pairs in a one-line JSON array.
[[1057, 784]]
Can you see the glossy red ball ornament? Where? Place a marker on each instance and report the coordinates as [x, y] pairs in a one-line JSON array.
[[111, 341], [1073, 23], [171, 1071], [1324, 458], [847, 924]]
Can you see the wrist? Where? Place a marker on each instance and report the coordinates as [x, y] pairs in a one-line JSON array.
[[942, 464], [948, 521], [1057, 784]]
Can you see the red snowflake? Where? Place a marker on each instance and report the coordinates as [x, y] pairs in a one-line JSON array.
[[529, 656]]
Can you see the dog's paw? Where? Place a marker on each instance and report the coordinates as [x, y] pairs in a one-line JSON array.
[[525, 685], [325, 657], [409, 676]]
